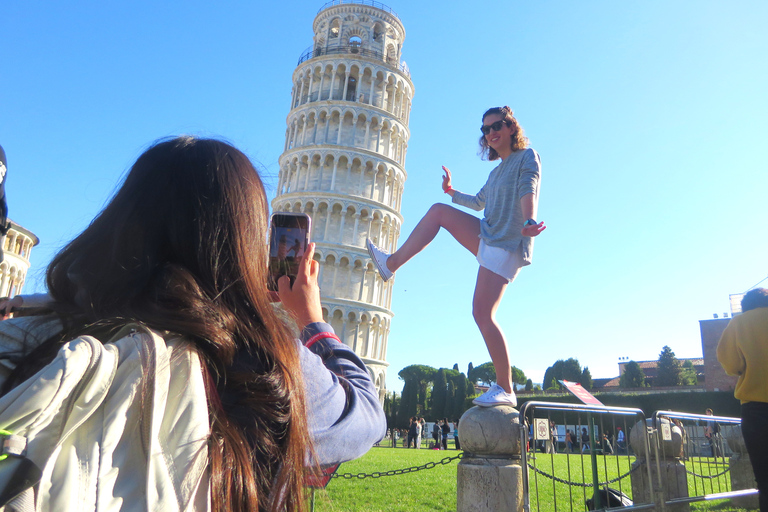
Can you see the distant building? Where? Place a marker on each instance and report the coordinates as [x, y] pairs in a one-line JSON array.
[[17, 245], [650, 369], [711, 330]]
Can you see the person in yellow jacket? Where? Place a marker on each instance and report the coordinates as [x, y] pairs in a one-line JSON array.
[[743, 351]]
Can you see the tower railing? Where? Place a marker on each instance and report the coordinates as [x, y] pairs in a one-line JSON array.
[[353, 49], [377, 5]]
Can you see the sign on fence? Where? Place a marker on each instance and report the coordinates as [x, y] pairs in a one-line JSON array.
[[579, 392], [541, 429]]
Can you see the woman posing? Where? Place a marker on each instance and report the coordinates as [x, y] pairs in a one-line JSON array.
[[502, 241]]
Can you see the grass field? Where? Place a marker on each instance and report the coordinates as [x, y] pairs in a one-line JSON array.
[[435, 489]]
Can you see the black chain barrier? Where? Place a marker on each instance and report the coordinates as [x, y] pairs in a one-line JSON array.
[[710, 477], [393, 472], [581, 484]]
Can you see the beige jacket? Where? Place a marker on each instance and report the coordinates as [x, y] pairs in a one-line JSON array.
[[118, 426]]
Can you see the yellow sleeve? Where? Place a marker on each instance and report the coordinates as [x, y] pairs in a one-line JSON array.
[[729, 353]]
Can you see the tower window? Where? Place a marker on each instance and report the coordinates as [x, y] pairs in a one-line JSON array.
[[354, 44]]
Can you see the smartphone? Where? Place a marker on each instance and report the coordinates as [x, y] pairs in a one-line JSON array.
[[288, 240]]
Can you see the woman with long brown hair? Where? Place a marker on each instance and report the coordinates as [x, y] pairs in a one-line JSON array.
[[181, 250], [502, 241]]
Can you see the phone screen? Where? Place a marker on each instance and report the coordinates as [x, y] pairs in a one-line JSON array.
[[288, 239]]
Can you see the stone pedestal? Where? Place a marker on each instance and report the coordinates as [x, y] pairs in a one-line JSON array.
[[742, 475], [674, 483], [489, 476], [668, 477]]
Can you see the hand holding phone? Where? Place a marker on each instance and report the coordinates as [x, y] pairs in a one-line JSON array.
[[301, 297], [288, 241]]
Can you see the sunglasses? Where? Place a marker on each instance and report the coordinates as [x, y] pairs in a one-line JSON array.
[[486, 129]]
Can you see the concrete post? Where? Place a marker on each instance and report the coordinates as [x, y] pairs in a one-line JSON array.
[[489, 476], [668, 479], [742, 475]]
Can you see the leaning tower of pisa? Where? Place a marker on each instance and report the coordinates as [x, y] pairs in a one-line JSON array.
[[344, 163]]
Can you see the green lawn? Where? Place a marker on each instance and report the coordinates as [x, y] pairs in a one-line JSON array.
[[431, 489], [435, 489]]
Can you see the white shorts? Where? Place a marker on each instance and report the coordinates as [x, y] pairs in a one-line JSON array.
[[500, 261]]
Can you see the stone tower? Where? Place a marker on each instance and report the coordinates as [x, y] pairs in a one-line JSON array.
[[344, 164]]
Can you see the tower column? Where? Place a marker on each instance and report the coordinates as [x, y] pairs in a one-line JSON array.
[[311, 80], [333, 176], [301, 91], [346, 85], [314, 131]]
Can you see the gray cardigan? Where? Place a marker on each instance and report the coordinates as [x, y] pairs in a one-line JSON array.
[[516, 176]]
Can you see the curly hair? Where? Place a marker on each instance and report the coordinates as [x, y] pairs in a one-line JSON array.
[[753, 299], [519, 140]]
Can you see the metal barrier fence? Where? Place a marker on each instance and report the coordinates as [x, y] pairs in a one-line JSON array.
[[712, 450], [581, 455], [589, 449]]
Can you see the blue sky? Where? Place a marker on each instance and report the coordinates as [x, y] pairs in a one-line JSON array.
[[650, 118]]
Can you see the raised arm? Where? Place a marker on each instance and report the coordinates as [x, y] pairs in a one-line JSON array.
[[344, 415], [476, 202]]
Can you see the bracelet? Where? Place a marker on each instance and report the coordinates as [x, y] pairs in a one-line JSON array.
[[448, 189]]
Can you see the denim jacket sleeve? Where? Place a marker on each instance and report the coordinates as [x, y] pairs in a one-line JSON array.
[[344, 415]]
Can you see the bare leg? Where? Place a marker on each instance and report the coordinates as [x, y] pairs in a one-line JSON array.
[[464, 227], [488, 293]]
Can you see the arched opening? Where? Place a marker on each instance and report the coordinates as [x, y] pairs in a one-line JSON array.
[[354, 44], [351, 89], [391, 55], [335, 28]]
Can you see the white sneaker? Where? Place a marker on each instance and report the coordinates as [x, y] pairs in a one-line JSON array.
[[379, 258], [496, 396]]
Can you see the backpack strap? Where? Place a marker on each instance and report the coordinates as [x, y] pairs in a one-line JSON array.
[[18, 474]]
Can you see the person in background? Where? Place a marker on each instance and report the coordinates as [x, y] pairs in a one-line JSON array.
[[743, 351], [712, 433], [584, 440], [456, 435], [621, 445], [446, 429], [607, 447], [411, 432]]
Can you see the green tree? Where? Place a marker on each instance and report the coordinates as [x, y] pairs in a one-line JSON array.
[[407, 403], [518, 376], [439, 395], [586, 378], [529, 385], [391, 403], [421, 376], [449, 400], [568, 369], [668, 369], [461, 396], [688, 374], [633, 376], [486, 374]]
